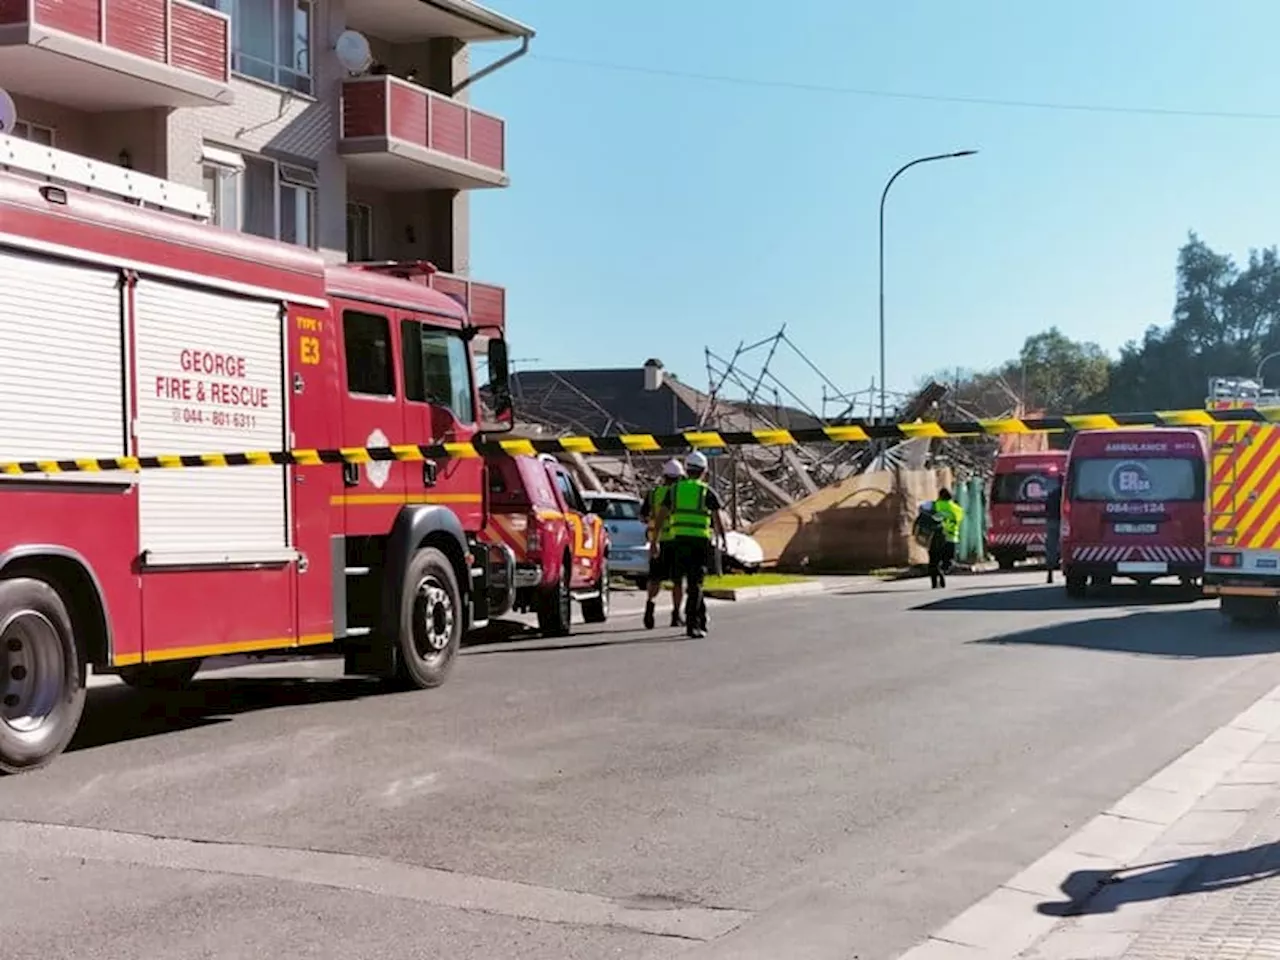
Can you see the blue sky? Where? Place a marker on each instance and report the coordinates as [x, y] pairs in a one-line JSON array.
[[653, 214]]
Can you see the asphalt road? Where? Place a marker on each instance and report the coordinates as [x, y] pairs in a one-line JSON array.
[[823, 777]]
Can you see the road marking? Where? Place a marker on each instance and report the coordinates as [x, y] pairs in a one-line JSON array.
[[368, 875], [1006, 922]]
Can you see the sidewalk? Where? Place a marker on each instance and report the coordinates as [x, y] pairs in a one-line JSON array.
[[1186, 867]]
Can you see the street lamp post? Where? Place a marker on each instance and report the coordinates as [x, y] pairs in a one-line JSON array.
[[1262, 363], [883, 196]]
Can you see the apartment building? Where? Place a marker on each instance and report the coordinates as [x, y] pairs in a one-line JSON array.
[[248, 99]]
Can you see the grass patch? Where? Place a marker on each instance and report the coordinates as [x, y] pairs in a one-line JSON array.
[[737, 581]]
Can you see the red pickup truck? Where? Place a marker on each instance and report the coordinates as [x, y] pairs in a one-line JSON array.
[[561, 550]]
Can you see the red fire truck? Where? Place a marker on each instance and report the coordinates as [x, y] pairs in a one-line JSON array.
[[129, 327]]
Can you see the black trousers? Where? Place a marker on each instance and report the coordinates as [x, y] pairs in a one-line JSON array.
[[689, 559], [941, 553]]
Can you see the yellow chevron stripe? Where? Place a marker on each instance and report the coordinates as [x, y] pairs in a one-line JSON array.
[[1248, 482]]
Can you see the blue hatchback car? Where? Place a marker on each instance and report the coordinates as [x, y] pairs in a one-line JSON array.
[[628, 543]]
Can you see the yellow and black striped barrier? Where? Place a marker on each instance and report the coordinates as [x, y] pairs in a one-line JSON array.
[[857, 432]]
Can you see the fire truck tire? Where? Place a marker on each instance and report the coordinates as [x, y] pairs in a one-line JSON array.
[[42, 688], [169, 675], [431, 621], [1004, 561], [555, 606], [596, 610], [1075, 586]]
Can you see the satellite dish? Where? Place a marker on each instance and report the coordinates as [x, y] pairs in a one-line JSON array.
[[8, 113], [353, 51]]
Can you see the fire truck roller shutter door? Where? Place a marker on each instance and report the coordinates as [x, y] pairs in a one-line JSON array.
[[60, 347], [210, 376]]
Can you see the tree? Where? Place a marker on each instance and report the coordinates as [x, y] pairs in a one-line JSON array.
[[1055, 373], [1225, 319]]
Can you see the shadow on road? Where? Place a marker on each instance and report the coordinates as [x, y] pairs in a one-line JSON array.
[[1189, 633], [672, 636], [1105, 891], [1054, 597], [118, 714]]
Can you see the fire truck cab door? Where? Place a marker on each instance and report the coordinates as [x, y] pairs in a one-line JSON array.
[[372, 416], [439, 407]]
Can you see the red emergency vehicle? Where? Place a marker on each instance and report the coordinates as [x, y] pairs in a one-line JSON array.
[[1020, 489], [1134, 506], [561, 548], [129, 331]]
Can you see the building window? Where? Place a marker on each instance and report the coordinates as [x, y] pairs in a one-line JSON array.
[[279, 201], [271, 40], [33, 132], [222, 183], [298, 205], [359, 232]]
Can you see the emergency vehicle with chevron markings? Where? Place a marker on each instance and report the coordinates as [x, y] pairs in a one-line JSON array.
[[1020, 488], [130, 327], [1134, 506], [1242, 566]]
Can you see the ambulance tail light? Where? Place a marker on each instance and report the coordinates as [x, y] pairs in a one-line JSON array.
[[1222, 558]]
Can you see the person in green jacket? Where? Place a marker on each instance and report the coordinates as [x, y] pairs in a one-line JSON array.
[[693, 510], [660, 547], [942, 548]]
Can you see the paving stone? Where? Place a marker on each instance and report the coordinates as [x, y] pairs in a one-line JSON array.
[[1253, 772], [1154, 805], [1002, 924], [1236, 796]]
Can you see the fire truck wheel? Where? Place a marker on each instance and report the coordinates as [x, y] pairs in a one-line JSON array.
[[555, 606], [1075, 586], [1004, 561], [170, 675], [431, 621], [596, 610], [42, 687]]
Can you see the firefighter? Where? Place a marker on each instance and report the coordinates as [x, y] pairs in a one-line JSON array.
[[694, 512], [660, 547], [942, 547]]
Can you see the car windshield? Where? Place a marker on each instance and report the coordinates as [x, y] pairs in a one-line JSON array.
[[610, 509]]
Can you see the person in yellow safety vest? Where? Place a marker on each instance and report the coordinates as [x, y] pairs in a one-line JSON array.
[[942, 548], [694, 512], [660, 547]]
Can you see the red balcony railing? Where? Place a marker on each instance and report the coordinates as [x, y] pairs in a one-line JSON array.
[[485, 303], [387, 108], [176, 33]]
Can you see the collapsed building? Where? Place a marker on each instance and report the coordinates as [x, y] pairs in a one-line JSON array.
[[811, 506]]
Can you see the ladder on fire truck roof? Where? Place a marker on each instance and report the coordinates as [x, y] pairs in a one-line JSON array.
[[1226, 393], [64, 169]]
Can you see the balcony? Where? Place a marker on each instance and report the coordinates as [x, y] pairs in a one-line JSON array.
[[485, 303], [401, 137], [115, 54]]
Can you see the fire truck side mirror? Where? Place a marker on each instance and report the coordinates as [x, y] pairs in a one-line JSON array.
[[500, 383]]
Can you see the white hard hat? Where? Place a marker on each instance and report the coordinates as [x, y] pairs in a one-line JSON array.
[[696, 461], [673, 468]]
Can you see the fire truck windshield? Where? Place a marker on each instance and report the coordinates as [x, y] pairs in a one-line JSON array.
[[1161, 479]]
